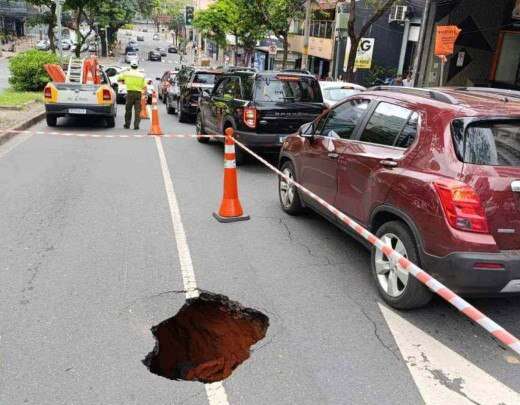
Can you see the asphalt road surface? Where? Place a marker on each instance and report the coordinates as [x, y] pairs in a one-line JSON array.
[[90, 262]]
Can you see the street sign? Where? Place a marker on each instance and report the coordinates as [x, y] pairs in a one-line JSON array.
[[364, 53], [273, 49], [445, 39], [189, 15]]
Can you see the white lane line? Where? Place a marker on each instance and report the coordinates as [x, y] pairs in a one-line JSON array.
[[441, 375], [215, 392], [13, 143]]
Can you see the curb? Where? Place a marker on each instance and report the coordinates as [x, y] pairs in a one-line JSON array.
[[9, 133]]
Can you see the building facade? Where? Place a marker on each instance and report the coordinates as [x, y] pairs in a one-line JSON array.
[[13, 16], [487, 50]]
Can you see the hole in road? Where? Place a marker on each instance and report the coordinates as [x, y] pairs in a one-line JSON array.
[[206, 340]]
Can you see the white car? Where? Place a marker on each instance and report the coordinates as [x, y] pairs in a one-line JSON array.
[[131, 57], [43, 45], [121, 90], [334, 92]]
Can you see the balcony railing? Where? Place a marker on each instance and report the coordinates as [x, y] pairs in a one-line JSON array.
[[318, 29]]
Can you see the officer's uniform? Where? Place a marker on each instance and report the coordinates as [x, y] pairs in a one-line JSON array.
[[135, 84]]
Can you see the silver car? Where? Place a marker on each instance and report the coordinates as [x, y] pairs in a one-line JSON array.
[[334, 92], [131, 57]]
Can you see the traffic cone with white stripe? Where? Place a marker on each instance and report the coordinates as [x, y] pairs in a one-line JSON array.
[[230, 208], [144, 108], [155, 129]]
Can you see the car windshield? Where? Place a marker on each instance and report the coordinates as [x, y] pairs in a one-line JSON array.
[[337, 94], [493, 144], [288, 89], [205, 78]]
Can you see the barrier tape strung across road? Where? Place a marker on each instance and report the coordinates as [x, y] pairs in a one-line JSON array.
[[438, 288], [103, 136]]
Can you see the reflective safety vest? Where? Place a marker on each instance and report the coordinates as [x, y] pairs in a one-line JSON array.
[[134, 80]]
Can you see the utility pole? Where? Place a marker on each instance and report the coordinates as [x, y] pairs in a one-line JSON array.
[[306, 34], [59, 4], [420, 46]]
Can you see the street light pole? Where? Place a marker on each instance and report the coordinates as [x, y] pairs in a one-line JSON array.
[[59, 4]]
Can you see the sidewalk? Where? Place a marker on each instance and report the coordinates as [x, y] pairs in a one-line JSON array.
[[20, 45]]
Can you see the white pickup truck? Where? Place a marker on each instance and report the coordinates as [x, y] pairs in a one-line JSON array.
[[84, 91]]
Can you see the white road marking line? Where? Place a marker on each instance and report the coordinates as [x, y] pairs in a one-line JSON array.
[[441, 375], [215, 392], [13, 143]]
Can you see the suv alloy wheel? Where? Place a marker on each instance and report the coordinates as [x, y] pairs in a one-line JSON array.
[[289, 197], [200, 129], [396, 286]]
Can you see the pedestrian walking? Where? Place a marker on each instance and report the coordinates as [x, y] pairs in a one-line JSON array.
[[135, 85]]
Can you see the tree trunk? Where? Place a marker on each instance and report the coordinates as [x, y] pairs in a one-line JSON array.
[[285, 50], [51, 26], [351, 59]]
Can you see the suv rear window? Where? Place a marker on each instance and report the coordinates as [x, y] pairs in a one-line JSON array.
[[493, 143], [205, 78], [288, 89]]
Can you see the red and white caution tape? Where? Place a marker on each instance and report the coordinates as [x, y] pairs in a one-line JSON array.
[[106, 136], [438, 288]]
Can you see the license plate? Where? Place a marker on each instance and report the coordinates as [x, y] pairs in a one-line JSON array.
[[77, 111]]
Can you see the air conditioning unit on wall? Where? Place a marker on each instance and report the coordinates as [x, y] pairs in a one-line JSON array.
[[398, 14]]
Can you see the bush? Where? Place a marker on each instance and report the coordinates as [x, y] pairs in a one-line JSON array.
[[27, 71]]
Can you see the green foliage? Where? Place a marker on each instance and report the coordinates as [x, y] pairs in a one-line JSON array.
[[27, 71], [377, 75]]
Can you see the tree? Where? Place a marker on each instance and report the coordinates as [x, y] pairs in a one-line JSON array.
[[278, 14], [48, 18], [380, 7], [212, 23]]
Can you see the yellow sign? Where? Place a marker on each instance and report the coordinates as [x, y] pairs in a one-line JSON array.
[[364, 53]]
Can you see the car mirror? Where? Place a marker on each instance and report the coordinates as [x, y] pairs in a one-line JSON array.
[[307, 130]]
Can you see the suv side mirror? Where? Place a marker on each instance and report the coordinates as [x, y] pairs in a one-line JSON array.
[[306, 130]]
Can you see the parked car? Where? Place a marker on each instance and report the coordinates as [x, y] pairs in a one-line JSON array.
[[162, 51], [66, 44], [171, 97], [43, 45], [132, 57], [172, 49], [165, 81], [113, 73], [263, 108], [140, 38], [154, 55], [334, 92], [156, 37], [435, 173], [200, 79]]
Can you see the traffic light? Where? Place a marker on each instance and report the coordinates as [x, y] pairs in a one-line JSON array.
[[189, 15]]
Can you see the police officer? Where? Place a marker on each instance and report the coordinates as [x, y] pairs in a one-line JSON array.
[[135, 84]]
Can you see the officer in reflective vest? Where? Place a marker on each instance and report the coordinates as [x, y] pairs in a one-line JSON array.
[[135, 84]]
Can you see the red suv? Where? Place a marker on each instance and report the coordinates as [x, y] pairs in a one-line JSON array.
[[433, 172]]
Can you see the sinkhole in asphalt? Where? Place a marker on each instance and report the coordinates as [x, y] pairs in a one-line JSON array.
[[206, 340]]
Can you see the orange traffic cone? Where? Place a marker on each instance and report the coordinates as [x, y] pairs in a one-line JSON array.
[[230, 208], [144, 109], [155, 129]]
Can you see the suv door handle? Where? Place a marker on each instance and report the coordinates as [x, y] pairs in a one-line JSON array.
[[388, 163], [333, 155]]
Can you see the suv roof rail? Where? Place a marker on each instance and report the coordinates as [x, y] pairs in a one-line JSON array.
[[491, 90], [436, 95]]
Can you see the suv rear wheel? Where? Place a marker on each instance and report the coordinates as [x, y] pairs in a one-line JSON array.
[[52, 120], [200, 129], [289, 197], [397, 287]]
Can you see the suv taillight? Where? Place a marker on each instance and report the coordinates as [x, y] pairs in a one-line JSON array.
[[462, 207], [106, 95], [249, 117], [47, 92]]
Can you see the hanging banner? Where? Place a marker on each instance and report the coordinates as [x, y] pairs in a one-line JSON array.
[[445, 38], [364, 54]]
